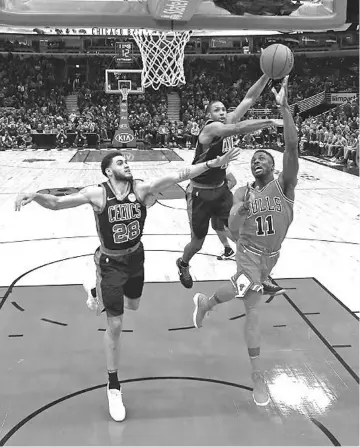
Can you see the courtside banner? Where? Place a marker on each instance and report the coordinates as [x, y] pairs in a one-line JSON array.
[[340, 98]]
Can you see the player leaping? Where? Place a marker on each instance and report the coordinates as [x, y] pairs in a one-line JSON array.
[[259, 219], [208, 195]]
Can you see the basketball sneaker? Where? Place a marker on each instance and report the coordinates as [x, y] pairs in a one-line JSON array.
[[184, 275], [201, 309], [260, 392], [116, 407], [228, 254], [94, 303], [269, 288]]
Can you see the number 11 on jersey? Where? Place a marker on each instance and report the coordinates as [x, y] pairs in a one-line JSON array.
[[265, 226]]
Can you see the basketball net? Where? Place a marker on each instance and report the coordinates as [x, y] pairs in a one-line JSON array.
[[162, 55], [124, 93]]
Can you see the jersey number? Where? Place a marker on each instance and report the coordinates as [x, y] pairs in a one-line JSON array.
[[124, 233], [261, 231]]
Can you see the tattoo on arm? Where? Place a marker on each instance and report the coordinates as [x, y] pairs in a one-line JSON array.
[[184, 174]]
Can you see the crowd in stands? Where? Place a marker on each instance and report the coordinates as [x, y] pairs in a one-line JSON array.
[[33, 92], [332, 135], [229, 79], [32, 99]]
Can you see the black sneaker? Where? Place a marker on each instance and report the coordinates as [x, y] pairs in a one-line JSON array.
[[184, 275], [272, 289], [226, 255]]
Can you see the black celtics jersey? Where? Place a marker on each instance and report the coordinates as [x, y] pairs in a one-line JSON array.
[[121, 222], [218, 147]]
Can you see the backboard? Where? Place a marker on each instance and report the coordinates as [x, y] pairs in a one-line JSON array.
[[280, 15], [115, 79]]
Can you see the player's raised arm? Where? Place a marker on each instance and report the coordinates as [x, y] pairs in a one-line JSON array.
[[84, 197], [288, 177], [218, 129], [187, 173], [251, 96]]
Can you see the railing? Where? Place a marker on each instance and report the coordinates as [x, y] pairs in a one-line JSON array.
[[265, 112], [304, 105], [310, 103]]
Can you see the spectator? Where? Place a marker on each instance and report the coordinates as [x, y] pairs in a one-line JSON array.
[[33, 89]]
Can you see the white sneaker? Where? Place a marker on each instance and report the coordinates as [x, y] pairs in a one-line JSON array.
[[200, 310], [260, 391], [116, 407], [93, 303]]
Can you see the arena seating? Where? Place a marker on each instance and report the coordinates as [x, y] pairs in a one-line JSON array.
[[33, 111]]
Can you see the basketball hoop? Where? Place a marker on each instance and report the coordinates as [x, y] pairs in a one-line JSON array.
[[162, 55]]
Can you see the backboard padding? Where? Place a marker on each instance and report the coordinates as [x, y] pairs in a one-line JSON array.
[[325, 14]]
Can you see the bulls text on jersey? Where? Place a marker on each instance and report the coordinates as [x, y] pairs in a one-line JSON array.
[[262, 204]]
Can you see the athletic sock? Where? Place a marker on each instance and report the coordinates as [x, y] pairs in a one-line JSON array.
[[254, 354], [113, 380], [228, 250], [184, 264]]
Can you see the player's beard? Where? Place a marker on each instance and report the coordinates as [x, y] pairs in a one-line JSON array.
[[122, 177]]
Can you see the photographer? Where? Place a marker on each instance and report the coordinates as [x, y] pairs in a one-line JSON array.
[[80, 138], [61, 138]]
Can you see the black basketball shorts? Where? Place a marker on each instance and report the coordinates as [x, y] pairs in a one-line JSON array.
[[204, 204], [119, 276]]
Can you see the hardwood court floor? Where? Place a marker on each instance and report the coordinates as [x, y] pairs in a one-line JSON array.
[[310, 356], [181, 386]]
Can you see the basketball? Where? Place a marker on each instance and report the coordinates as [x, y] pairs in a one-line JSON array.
[[276, 61]]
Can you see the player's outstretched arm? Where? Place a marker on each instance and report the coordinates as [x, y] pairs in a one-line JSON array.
[[288, 177], [218, 129], [84, 197], [187, 173], [251, 96]]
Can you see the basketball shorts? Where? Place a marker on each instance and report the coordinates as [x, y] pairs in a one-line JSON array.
[[117, 277], [204, 204], [253, 268]]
